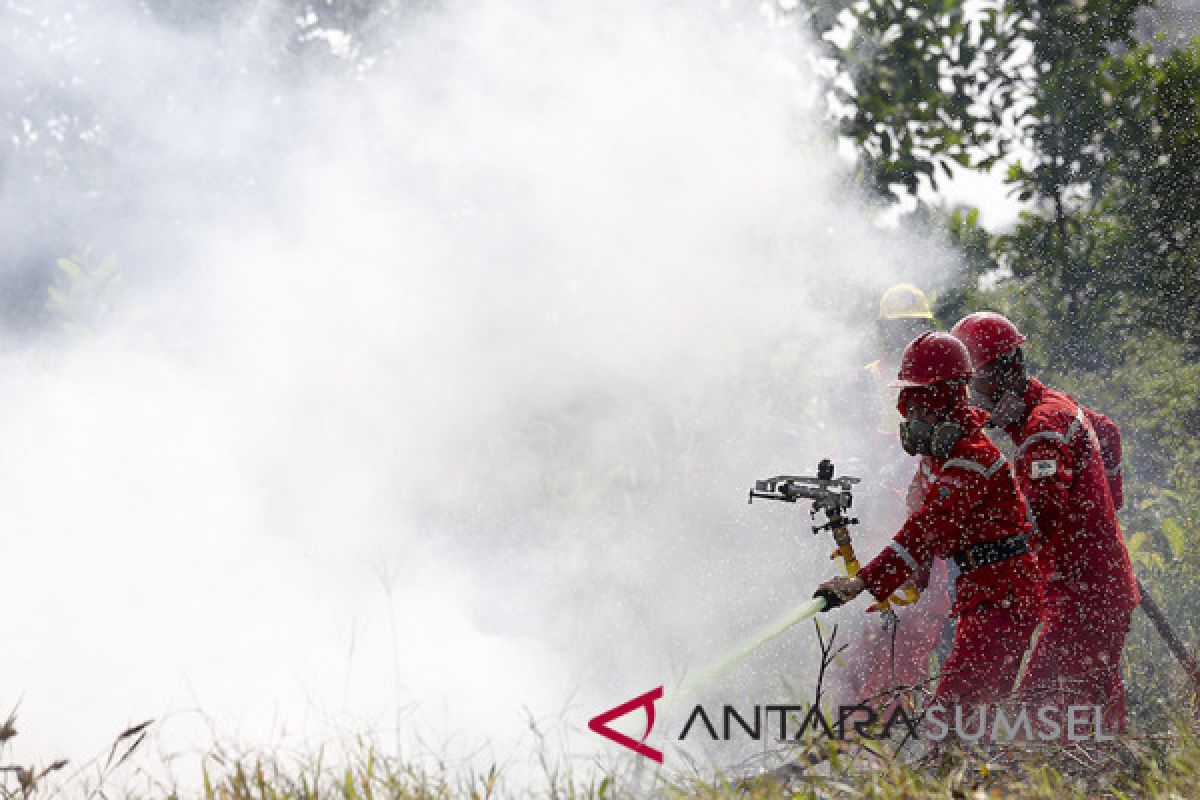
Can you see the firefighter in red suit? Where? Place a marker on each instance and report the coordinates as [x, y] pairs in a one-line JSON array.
[[968, 509], [885, 659], [1072, 480]]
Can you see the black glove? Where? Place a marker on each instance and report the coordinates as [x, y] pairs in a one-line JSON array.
[[831, 598]]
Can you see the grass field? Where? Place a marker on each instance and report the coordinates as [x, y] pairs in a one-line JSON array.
[[1163, 765], [1142, 767]]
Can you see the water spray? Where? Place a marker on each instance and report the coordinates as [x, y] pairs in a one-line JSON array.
[[774, 631], [833, 496]]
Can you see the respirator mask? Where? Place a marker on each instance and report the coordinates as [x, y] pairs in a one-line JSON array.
[[1008, 375], [920, 438], [1008, 410]]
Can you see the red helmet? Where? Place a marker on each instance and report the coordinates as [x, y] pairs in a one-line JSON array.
[[987, 336], [931, 358]]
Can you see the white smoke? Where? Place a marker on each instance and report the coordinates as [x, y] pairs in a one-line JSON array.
[[433, 387]]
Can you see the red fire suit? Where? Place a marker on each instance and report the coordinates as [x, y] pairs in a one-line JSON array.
[[1109, 437], [876, 665], [963, 501], [1090, 588]]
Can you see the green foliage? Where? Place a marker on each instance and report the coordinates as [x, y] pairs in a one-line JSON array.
[[1113, 249], [1100, 136], [1153, 182], [911, 86], [1064, 112], [1163, 531]]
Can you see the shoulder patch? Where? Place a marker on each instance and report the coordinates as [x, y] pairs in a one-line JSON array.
[[1044, 468]]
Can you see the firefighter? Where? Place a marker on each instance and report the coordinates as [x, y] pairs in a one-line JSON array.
[[884, 660], [1072, 481], [904, 314], [967, 508]]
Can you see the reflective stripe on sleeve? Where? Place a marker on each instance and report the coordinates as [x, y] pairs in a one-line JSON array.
[[1052, 436], [905, 556], [975, 466]]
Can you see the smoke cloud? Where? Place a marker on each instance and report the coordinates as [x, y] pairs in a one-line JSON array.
[[418, 391]]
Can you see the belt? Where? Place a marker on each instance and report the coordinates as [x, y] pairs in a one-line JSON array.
[[981, 555]]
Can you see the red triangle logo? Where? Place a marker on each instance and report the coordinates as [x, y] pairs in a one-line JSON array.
[[599, 724]]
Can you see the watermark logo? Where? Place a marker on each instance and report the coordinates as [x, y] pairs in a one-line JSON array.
[[973, 723], [783, 723], [599, 724]]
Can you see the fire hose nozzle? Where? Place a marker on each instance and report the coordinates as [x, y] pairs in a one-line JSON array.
[[832, 600]]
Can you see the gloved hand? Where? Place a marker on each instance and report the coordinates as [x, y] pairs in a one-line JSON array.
[[843, 589]]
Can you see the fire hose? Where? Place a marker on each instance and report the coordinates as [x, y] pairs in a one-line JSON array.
[[833, 496]]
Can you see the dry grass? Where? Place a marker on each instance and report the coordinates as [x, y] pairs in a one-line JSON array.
[[1146, 766], [1138, 767]]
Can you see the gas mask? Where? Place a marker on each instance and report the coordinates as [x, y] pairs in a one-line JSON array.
[[1008, 410], [1007, 375], [920, 438]]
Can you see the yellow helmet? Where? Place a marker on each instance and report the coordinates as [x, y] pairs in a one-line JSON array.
[[904, 301]]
